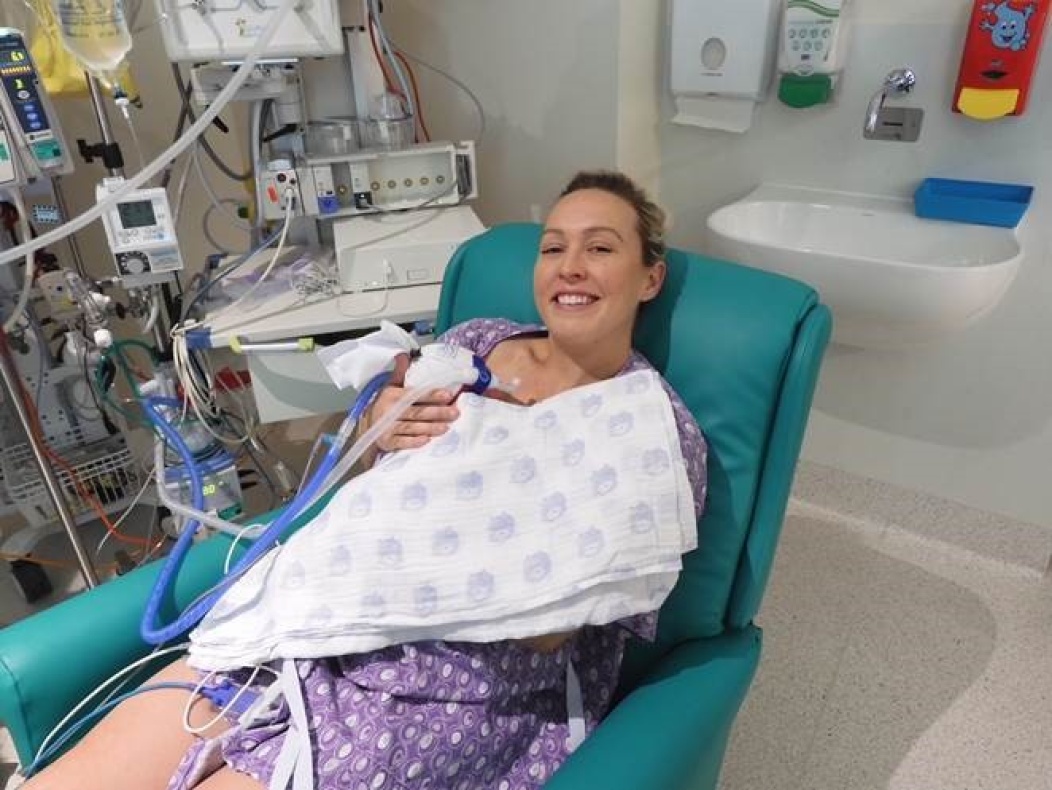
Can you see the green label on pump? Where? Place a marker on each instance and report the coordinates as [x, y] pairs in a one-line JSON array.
[[4, 155], [47, 150]]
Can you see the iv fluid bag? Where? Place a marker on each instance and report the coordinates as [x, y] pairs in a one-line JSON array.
[[96, 33]]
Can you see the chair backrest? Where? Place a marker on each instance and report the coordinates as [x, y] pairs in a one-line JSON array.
[[742, 348]]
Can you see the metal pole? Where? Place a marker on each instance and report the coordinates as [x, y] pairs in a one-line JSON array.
[[102, 118], [13, 390], [71, 239]]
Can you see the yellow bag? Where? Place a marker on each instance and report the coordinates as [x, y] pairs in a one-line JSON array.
[[61, 73]]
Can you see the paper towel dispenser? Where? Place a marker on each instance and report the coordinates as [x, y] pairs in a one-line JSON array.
[[721, 57]]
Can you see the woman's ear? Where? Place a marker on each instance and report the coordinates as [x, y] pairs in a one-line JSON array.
[[655, 279]]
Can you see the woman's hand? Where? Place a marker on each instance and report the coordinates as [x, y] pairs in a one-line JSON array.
[[428, 418]]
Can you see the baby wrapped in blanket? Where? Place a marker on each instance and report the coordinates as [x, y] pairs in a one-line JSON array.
[[521, 521]]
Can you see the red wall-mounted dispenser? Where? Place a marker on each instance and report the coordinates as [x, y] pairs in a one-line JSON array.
[[1000, 56]]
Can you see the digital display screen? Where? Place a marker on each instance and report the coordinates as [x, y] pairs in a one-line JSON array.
[[137, 215], [16, 73]]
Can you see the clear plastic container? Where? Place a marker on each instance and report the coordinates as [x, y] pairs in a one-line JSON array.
[[95, 33], [391, 134], [389, 125], [332, 137]]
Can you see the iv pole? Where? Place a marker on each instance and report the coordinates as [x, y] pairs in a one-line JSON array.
[[13, 392]]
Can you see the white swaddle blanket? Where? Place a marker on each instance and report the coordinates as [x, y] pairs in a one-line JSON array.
[[520, 521]]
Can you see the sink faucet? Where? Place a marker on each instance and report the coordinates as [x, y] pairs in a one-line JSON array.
[[897, 81]]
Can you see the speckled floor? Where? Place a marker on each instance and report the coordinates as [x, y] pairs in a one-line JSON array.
[[894, 661], [891, 660]]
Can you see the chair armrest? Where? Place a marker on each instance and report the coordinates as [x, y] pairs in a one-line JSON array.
[[50, 661], [671, 731]]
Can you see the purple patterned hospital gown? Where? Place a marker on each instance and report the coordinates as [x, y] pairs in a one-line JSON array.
[[446, 715]]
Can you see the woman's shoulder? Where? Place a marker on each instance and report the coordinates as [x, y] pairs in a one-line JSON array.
[[480, 335]]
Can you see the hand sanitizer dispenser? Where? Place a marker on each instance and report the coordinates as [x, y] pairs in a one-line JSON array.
[[812, 46], [721, 56]]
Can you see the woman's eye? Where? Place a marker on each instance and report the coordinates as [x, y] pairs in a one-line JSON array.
[[600, 249], [550, 250]]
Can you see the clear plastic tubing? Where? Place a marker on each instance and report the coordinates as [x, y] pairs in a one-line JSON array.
[[95, 33], [157, 165]]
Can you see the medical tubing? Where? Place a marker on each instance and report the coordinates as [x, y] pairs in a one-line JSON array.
[[101, 687], [381, 426], [193, 614], [89, 718], [150, 633], [30, 271], [177, 148]]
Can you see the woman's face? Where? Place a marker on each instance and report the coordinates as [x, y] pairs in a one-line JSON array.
[[590, 277]]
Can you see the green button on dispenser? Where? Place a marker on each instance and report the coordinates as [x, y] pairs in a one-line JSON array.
[[4, 156], [797, 91]]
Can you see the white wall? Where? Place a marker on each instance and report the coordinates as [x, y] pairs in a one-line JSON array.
[[546, 74], [967, 419]]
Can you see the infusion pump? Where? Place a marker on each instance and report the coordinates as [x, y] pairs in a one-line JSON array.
[[140, 230]]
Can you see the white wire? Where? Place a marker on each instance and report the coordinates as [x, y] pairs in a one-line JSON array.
[[470, 94], [101, 687], [233, 545], [118, 522], [270, 267], [219, 716], [185, 141], [217, 202], [30, 271]]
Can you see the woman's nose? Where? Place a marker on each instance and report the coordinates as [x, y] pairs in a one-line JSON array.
[[571, 266]]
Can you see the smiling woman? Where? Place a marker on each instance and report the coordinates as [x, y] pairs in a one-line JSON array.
[[499, 713]]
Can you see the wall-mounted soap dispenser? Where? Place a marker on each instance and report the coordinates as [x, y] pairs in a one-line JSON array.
[[721, 55], [811, 51], [1000, 57]]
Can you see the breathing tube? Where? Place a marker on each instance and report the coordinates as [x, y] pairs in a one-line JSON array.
[[156, 634], [27, 247], [462, 370]]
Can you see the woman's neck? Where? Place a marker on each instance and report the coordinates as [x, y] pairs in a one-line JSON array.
[[574, 366]]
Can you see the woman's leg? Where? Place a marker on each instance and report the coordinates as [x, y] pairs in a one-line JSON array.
[[229, 779], [138, 745]]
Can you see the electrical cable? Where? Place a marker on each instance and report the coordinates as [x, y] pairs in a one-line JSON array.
[[389, 53], [270, 267], [467, 91], [131, 185], [201, 729], [116, 524], [185, 90], [91, 717], [102, 686], [416, 95], [206, 229], [190, 304], [217, 202]]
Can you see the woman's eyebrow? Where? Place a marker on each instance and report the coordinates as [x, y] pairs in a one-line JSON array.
[[585, 232], [602, 228]]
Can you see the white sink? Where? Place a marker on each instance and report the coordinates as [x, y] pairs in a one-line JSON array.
[[889, 277]]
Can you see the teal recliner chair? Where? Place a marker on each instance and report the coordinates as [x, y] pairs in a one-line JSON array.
[[743, 349]]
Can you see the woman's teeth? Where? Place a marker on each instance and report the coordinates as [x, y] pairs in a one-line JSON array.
[[574, 299]]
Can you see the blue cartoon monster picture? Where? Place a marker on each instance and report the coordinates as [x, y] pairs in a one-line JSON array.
[[1011, 26]]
